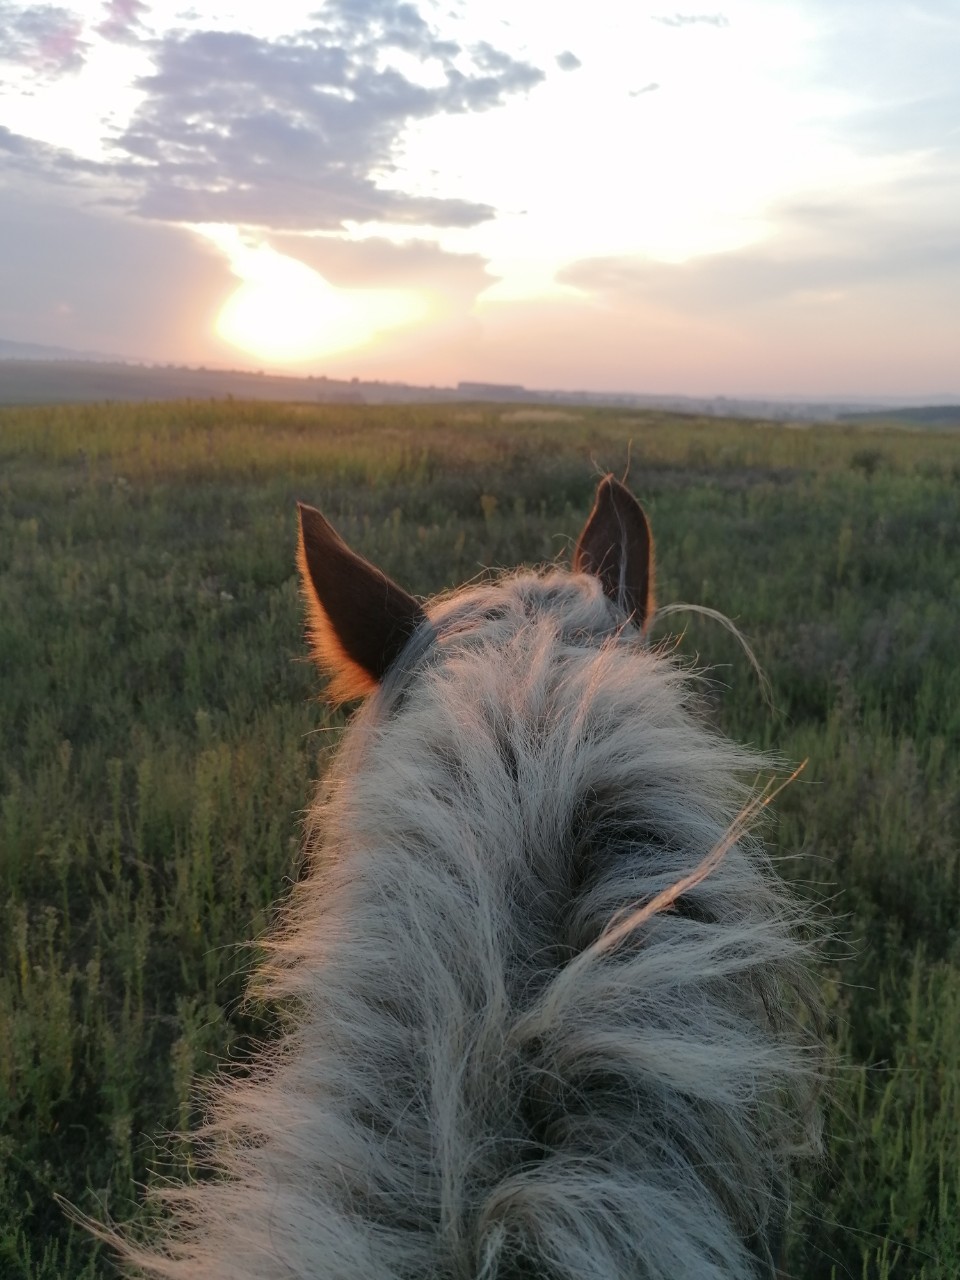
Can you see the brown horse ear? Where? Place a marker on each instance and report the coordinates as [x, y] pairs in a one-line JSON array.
[[358, 620], [617, 547]]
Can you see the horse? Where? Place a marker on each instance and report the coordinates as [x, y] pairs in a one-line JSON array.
[[551, 1012]]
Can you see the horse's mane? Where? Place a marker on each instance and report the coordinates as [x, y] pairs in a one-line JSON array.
[[484, 1079]]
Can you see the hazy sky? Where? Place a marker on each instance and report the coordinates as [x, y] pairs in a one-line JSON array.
[[758, 198]]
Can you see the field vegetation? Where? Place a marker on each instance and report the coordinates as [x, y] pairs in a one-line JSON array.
[[161, 732]]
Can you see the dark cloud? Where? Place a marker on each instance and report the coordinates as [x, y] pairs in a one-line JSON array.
[[33, 159], [691, 19], [123, 21], [299, 132], [92, 280], [568, 61], [43, 39], [358, 22], [15, 146]]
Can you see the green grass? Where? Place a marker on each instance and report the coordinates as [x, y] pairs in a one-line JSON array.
[[161, 735]]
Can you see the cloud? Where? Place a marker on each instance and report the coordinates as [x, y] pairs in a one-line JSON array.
[[123, 21], [93, 280], [380, 263], [568, 61], [31, 159], [824, 252], [647, 88], [692, 19], [18, 149], [43, 39], [300, 132]]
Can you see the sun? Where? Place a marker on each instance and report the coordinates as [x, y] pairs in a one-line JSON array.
[[286, 313]]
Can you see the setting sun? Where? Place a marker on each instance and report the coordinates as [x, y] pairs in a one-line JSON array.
[[285, 313]]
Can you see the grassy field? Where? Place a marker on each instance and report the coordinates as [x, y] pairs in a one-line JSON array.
[[161, 734]]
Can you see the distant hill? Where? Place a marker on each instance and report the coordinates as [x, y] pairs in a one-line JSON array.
[[930, 415], [35, 351], [78, 381], [35, 374]]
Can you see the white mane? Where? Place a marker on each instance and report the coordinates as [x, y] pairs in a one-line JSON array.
[[454, 1099]]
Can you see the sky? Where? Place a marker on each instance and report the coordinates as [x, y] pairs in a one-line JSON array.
[[761, 198]]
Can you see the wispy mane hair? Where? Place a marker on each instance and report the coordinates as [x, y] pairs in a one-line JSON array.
[[484, 1077]]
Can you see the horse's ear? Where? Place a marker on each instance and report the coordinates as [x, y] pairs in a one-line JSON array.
[[617, 547], [358, 620]]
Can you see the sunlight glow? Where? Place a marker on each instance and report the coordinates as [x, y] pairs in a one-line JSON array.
[[285, 313], [78, 112], [653, 148]]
